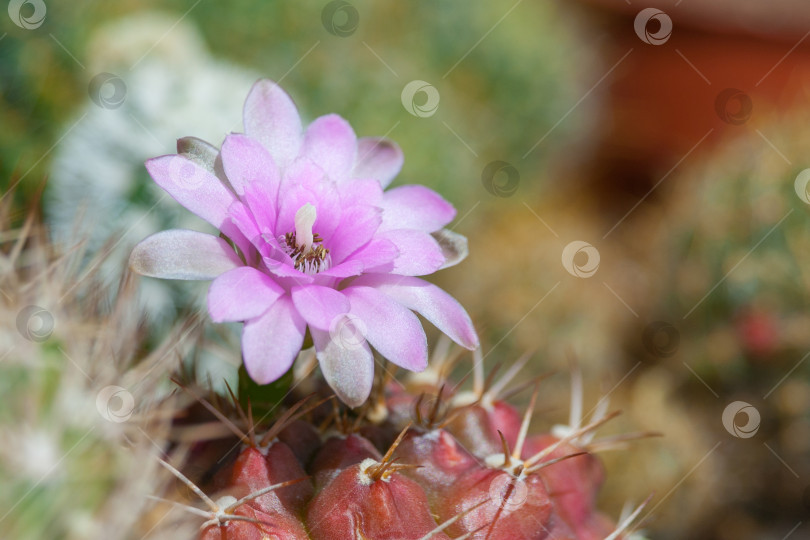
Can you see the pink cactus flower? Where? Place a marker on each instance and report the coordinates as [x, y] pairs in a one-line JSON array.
[[310, 240]]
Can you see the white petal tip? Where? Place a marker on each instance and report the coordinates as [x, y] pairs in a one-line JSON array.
[[454, 247]]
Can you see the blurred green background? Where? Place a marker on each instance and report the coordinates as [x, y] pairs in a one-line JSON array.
[[497, 98], [605, 134]]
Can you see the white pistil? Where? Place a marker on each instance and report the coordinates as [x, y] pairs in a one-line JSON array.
[[304, 220], [303, 245]]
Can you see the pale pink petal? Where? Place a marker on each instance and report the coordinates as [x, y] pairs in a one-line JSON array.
[[346, 362], [263, 204], [271, 342], [361, 191], [344, 269], [241, 294], [419, 253], [193, 186], [377, 256], [390, 328], [428, 300], [182, 254], [303, 183], [246, 161], [283, 269], [378, 158], [319, 306], [259, 239], [415, 207], [242, 218], [357, 226], [270, 117], [331, 143]]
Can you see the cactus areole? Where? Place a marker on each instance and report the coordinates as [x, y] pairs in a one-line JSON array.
[[416, 481]]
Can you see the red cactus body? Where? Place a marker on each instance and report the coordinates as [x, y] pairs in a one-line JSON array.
[[271, 526], [302, 438], [506, 419], [451, 475], [509, 507], [338, 453], [473, 429], [357, 505], [254, 470], [440, 459], [573, 483]]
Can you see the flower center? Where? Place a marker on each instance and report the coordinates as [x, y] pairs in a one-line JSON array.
[[305, 247]]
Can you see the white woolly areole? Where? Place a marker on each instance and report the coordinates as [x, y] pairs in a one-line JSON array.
[[304, 220], [263, 449], [430, 376], [362, 475], [463, 399], [225, 501], [378, 413], [561, 431], [498, 461]]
